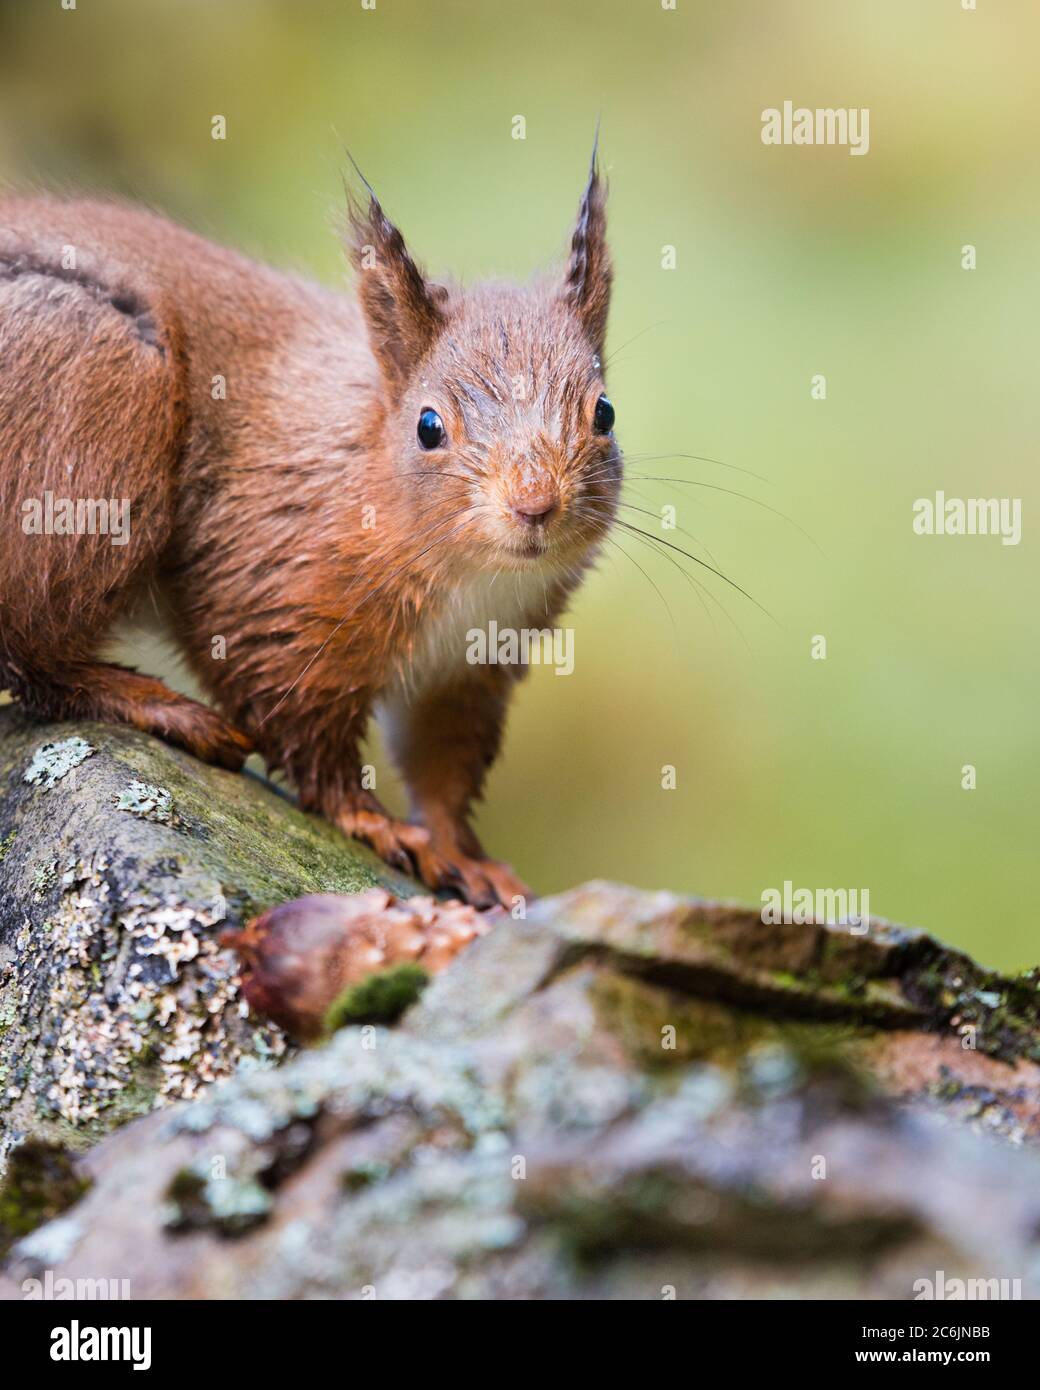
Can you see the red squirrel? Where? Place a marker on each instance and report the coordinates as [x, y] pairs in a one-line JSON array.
[[325, 491]]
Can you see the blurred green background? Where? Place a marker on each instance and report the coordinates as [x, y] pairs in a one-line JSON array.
[[790, 262]]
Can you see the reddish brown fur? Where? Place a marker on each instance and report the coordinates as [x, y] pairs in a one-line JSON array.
[[246, 514]]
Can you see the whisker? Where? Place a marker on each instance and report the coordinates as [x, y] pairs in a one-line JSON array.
[[613, 540], [629, 341], [605, 470], [699, 458], [702, 591], [656, 516], [730, 492], [659, 540]]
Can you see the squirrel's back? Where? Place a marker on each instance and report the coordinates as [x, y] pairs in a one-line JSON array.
[[214, 304]]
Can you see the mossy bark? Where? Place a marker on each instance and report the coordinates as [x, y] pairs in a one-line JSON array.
[[626, 1094], [121, 860]]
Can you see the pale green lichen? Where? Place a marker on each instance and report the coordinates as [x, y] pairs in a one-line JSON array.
[[231, 1204], [115, 995], [139, 998], [365, 1068], [44, 876], [53, 761], [147, 802]]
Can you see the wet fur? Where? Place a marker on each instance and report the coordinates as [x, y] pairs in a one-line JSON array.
[[246, 514]]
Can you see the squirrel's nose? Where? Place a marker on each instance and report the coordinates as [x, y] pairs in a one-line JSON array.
[[535, 508]]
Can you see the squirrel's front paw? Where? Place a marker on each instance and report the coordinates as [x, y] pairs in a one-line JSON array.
[[411, 848], [485, 882], [401, 845]]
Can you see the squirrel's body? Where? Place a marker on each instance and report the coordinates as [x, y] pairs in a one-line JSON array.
[[316, 563]]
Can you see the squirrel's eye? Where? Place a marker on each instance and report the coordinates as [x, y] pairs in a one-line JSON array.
[[603, 420], [430, 429]]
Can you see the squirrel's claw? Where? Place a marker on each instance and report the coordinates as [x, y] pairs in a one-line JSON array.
[[482, 882]]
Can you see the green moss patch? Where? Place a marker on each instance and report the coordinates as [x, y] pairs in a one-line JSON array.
[[380, 999], [41, 1182]]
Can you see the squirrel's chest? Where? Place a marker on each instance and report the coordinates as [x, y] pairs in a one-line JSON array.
[[442, 644]]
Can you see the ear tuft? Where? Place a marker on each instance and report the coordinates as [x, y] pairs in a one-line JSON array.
[[404, 312], [589, 273]]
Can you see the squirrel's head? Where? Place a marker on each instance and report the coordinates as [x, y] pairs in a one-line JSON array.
[[497, 418]]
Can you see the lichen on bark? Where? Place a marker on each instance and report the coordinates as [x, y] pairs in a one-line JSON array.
[[621, 1093], [122, 861]]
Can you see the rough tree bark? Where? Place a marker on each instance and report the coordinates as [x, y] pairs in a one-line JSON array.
[[626, 1094], [120, 861]]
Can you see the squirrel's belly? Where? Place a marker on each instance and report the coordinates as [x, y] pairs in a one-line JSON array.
[[444, 645]]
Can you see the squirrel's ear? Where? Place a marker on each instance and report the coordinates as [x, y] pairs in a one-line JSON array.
[[403, 311], [589, 273]]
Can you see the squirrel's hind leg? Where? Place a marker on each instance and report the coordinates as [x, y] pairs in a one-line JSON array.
[[91, 415], [114, 694]]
